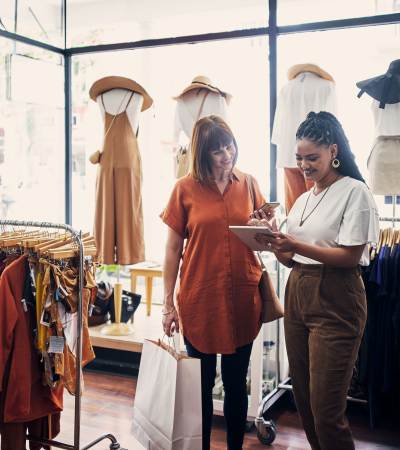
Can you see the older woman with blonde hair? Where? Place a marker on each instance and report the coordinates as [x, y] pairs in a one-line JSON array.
[[218, 305]]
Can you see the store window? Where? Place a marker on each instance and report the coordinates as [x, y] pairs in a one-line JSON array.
[[238, 66], [106, 22], [41, 20], [349, 55], [302, 11], [7, 15], [32, 150]]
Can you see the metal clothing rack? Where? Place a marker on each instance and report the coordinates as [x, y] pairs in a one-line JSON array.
[[77, 236]]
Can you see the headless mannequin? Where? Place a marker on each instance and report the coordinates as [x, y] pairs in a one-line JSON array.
[[384, 160], [112, 102], [188, 106]]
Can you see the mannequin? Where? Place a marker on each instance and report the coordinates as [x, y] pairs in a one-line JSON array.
[[309, 88], [200, 99], [118, 98], [384, 160], [118, 227]]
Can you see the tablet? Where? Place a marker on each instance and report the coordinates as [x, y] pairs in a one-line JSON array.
[[247, 235]]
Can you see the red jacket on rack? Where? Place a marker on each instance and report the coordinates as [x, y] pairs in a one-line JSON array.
[[24, 397]]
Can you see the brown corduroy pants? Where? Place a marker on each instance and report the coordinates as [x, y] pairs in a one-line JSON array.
[[325, 314], [295, 185]]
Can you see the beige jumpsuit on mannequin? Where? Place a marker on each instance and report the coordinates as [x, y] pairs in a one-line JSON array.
[[118, 214]]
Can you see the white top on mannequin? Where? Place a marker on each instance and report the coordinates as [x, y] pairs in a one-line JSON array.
[[115, 102], [305, 93], [187, 109], [387, 120]]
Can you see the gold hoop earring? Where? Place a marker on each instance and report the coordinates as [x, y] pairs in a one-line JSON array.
[[335, 163]]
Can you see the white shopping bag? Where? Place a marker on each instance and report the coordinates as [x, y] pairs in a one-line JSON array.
[[167, 409]]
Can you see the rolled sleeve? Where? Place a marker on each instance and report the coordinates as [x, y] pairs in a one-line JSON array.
[[359, 227], [360, 222], [174, 215]]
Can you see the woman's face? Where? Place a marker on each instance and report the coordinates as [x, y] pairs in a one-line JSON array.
[[222, 159], [315, 161]]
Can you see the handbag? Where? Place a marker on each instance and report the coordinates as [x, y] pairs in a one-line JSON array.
[[182, 162], [271, 307]]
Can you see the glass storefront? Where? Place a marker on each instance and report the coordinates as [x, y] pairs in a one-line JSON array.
[[32, 148], [302, 11], [103, 22]]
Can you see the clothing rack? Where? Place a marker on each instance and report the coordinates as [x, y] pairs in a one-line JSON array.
[[389, 219], [77, 236]]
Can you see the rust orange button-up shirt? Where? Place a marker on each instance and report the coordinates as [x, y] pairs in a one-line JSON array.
[[218, 300]]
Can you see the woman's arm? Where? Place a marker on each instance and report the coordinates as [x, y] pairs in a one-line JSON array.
[[344, 256], [284, 258], [173, 254]]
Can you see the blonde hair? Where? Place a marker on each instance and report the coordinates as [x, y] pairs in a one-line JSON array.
[[209, 133]]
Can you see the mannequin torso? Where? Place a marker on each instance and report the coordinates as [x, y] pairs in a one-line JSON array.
[[188, 106], [115, 102]]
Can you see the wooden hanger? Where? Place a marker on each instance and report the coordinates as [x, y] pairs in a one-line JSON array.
[[380, 240], [72, 253]]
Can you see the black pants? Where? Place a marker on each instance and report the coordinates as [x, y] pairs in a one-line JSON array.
[[234, 370]]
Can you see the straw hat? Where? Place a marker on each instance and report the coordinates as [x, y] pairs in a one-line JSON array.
[[313, 68], [112, 82], [384, 88], [202, 82]]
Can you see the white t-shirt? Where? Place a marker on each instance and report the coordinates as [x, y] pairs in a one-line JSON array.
[[188, 106], [387, 121], [347, 215], [305, 93]]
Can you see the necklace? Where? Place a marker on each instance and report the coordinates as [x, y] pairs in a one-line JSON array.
[[302, 220]]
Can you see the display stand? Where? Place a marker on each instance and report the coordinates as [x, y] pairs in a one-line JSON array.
[[77, 237], [117, 328]]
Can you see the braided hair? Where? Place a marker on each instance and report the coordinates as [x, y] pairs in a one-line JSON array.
[[323, 128]]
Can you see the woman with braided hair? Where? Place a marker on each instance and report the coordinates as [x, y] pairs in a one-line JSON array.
[[329, 228]]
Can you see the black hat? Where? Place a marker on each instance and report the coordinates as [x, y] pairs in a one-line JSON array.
[[384, 88]]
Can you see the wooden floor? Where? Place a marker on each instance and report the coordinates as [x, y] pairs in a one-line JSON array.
[[107, 407]]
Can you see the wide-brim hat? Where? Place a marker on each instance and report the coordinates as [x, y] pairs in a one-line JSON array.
[[112, 82], [384, 88], [202, 82], [313, 68]]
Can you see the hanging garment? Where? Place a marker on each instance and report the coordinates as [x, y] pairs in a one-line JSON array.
[[384, 166], [387, 121], [118, 226], [25, 397]]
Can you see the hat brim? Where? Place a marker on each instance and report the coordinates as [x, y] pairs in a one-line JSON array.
[[374, 88], [113, 82], [300, 68], [195, 85]]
